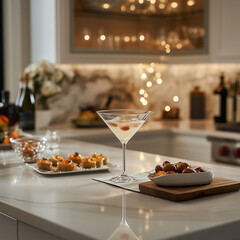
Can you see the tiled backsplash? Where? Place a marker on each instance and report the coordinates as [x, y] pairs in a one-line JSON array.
[[95, 82]]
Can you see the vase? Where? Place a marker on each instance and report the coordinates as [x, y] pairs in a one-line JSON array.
[[42, 119]]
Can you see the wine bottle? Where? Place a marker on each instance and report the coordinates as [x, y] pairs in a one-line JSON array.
[[238, 102], [230, 102], [220, 101], [20, 90], [7, 109], [27, 107]]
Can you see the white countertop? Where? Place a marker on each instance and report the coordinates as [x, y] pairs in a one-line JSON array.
[[77, 207]]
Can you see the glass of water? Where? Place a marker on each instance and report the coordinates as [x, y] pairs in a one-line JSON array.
[[53, 140]]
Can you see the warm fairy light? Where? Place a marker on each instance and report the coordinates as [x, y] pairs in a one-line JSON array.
[[117, 38], [175, 98], [152, 1], [190, 3], [141, 91], [132, 8], [126, 39], [163, 43], [106, 5], [168, 50], [140, 1], [145, 95], [142, 99], [145, 103], [149, 84], [133, 38], [140, 211], [151, 70], [123, 8], [141, 37], [167, 108], [86, 37], [161, 5], [146, 227], [179, 46], [174, 4], [103, 37], [159, 81], [167, 45], [143, 76]]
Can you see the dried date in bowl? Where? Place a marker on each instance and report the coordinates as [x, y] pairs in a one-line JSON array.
[[184, 179]]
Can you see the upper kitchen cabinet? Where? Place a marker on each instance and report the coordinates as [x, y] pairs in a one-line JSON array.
[[121, 31]]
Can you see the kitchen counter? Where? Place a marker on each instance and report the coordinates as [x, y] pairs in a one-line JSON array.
[[77, 207], [190, 127]]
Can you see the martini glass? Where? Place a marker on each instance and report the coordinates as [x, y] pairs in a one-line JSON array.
[[124, 123]]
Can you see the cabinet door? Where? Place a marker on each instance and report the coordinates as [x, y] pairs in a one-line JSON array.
[[8, 227], [229, 35], [27, 232]]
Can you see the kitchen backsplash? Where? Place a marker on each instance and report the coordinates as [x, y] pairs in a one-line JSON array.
[[146, 86]]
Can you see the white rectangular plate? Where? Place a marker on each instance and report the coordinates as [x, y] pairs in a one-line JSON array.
[[78, 169]]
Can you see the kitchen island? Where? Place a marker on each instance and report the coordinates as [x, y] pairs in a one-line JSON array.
[[74, 206]]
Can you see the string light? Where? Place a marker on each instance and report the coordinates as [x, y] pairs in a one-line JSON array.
[[159, 81], [190, 3], [174, 4], [86, 37], [150, 76], [106, 5], [175, 98], [103, 37], [167, 108], [149, 84], [141, 37], [143, 76]]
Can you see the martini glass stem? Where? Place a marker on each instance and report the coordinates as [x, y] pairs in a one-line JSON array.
[[124, 159]]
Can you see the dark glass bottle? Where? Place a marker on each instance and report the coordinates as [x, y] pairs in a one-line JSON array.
[[27, 108], [20, 91], [220, 101], [7, 109]]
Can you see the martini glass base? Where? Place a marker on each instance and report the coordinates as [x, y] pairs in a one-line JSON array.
[[123, 179]]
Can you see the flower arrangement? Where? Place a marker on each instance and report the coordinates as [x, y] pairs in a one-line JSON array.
[[46, 81]]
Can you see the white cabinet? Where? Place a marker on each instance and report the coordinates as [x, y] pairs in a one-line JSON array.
[[54, 35], [164, 142], [224, 30], [27, 232], [8, 227]]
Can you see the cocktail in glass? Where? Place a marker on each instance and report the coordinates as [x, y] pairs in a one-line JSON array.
[[124, 123]]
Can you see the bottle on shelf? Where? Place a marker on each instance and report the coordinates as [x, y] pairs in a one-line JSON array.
[[197, 103], [26, 107], [238, 102], [220, 101], [231, 102], [8, 109]]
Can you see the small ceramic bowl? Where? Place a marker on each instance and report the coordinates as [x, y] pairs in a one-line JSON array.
[[185, 179], [27, 148]]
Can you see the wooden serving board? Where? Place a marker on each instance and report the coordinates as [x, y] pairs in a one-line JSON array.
[[177, 194]]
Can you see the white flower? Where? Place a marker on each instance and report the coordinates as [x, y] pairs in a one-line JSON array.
[[34, 70], [46, 66], [57, 75], [49, 88]]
